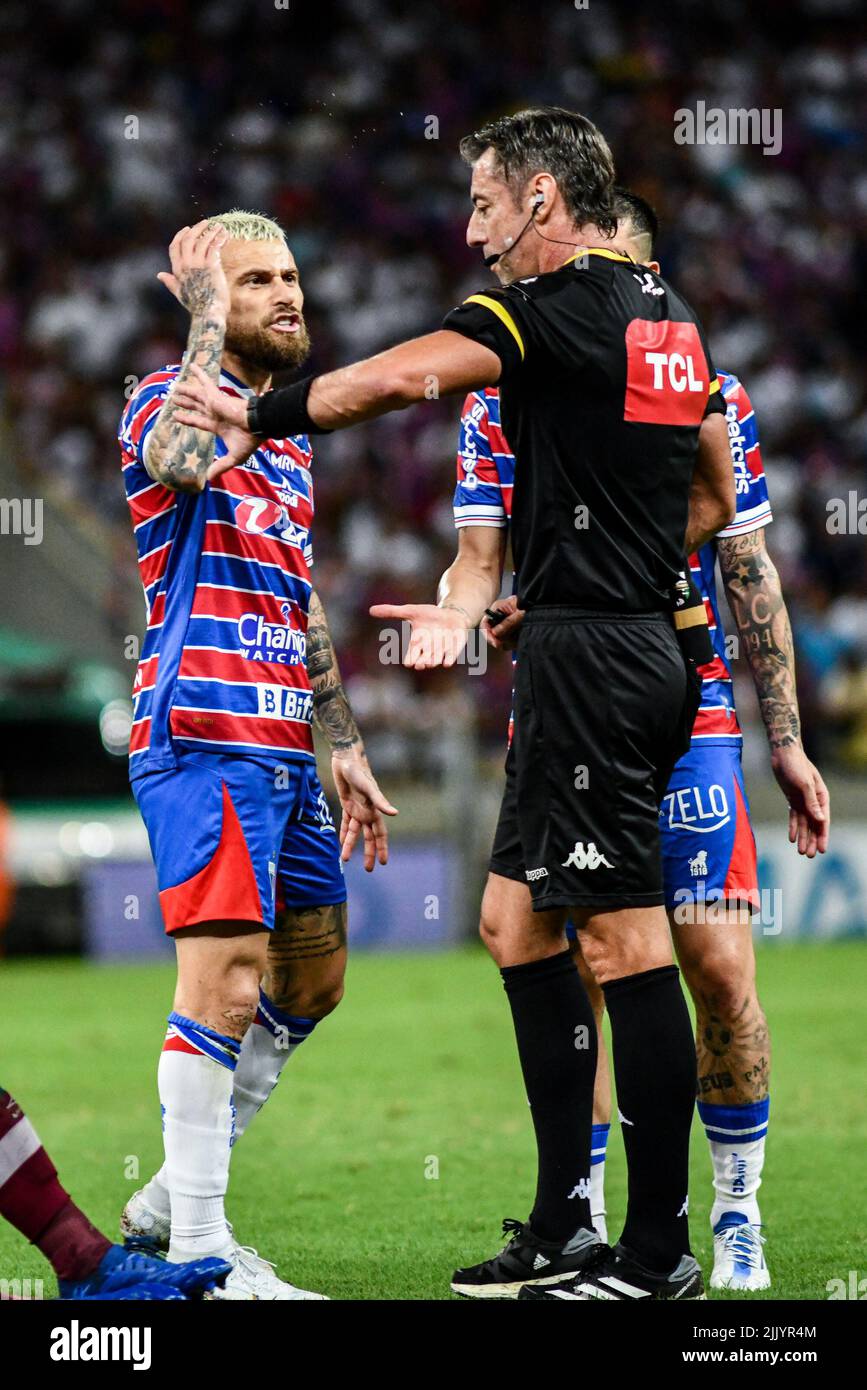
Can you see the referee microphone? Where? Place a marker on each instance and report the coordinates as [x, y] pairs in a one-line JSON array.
[[513, 242]]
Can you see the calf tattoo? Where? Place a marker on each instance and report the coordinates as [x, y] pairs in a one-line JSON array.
[[733, 1052]]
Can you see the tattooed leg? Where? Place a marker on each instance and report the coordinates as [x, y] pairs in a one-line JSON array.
[[307, 960], [732, 1039], [302, 983]]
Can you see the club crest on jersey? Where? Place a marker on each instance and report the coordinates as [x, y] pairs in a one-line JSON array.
[[277, 642]]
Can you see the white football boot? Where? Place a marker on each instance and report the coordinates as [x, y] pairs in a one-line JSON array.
[[738, 1257], [144, 1228], [251, 1277], [255, 1278]]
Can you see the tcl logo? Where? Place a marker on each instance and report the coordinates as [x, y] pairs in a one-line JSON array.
[[681, 371], [667, 377]]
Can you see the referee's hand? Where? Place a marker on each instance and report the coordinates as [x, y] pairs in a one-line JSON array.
[[504, 635]]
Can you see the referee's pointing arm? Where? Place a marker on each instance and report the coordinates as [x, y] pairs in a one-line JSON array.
[[392, 380]]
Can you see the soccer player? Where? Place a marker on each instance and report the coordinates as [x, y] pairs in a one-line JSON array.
[[709, 856], [87, 1265], [615, 416], [236, 661]]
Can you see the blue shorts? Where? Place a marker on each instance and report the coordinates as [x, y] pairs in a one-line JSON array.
[[232, 838], [708, 847]]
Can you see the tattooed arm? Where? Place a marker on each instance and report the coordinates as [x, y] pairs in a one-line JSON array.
[[363, 804], [759, 610], [177, 455]]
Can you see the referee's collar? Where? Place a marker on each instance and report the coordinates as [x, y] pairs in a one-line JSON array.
[[599, 251]]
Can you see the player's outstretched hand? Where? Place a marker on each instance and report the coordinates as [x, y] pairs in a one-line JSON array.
[[363, 806], [504, 635], [200, 402], [437, 635], [197, 277], [809, 803]]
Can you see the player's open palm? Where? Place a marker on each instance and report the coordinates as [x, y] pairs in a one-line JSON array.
[[363, 808], [438, 636], [809, 802], [197, 277]]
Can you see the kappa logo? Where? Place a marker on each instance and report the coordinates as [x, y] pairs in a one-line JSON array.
[[581, 1189], [588, 858], [532, 874], [684, 1211]]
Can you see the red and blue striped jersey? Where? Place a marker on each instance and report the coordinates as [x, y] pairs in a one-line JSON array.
[[483, 497], [226, 579]]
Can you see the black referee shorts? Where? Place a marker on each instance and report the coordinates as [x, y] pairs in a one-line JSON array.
[[604, 707]]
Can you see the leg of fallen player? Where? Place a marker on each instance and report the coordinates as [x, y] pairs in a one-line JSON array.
[[86, 1263]]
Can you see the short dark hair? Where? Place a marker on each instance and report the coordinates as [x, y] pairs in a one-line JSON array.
[[639, 212], [551, 140]]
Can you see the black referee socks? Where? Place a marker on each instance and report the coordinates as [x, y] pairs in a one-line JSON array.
[[655, 1071], [556, 1035]]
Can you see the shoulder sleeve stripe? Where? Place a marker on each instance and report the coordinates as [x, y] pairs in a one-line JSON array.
[[714, 386], [502, 314]]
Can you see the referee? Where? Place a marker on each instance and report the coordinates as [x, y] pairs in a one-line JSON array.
[[610, 402]]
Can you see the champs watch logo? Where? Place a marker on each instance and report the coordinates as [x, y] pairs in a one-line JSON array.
[[277, 642]]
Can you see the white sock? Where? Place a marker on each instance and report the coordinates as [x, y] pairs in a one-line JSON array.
[[736, 1136], [268, 1044], [195, 1077], [598, 1149]]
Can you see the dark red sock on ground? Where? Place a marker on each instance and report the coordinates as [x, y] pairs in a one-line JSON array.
[[33, 1200]]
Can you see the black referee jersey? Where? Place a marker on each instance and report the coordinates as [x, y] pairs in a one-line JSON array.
[[606, 378]]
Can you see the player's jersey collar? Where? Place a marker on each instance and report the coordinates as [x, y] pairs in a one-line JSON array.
[[227, 379]]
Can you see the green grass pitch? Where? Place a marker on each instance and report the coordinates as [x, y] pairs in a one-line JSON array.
[[399, 1136]]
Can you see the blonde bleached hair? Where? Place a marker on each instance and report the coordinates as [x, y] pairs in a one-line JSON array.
[[248, 226]]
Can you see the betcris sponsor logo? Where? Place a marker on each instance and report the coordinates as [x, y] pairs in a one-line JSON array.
[[278, 642], [279, 702], [737, 444]]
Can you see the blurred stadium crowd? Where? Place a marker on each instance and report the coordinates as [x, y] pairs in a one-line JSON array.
[[122, 126]]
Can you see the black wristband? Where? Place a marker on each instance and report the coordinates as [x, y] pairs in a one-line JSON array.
[[283, 413]]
